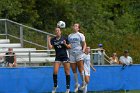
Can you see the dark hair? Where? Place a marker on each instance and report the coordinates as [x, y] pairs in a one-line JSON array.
[[79, 26], [125, 51]]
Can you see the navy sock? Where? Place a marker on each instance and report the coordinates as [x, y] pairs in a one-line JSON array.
[[55, 80], [68, 81]]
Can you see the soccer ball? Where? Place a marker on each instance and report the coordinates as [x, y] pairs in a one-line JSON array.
[[61, 24]]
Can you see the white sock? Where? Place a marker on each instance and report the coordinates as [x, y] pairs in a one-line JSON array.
[[85, 89], [83, 77], [76, 78]]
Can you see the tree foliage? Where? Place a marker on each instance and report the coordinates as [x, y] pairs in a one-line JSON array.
[[114, 23]]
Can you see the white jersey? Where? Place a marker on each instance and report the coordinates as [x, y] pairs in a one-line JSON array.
[[125, 60], [75, 40], [87, 64]]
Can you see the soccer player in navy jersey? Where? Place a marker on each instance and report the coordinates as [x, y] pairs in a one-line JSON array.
[[60, 44]]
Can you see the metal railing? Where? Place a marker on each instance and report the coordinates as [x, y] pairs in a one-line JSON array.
[[25, 57], [24, 34], [30, 37], [99, 58], [33, 57]]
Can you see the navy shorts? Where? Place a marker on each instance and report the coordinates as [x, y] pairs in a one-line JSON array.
[[62, 59]]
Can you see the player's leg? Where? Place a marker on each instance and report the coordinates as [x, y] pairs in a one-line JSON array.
[[80, 65], [55, 71], [74, 70], [86, 84], [87, 75], [67, 73]]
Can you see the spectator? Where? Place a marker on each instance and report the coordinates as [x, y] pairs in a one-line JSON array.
[[2, 64], [99, 56], [1, 58], [10, 58], [114, 59], [126, 59]]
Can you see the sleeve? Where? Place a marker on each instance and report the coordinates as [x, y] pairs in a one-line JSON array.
[[120, 59], [67, 41], [82, 37], [131, 59]]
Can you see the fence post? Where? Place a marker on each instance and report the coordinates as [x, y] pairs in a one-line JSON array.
[[47, 42], [48, 46], [6, 29], [91, 57], [21, 35], [29, 58]]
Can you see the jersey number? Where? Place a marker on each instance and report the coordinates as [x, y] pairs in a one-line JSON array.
[[59, 46]]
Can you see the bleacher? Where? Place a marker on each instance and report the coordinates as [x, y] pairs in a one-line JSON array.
[[24, 40], [25, 56], [19, 36]]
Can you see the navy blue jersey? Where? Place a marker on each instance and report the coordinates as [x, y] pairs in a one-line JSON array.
[[60, 48]]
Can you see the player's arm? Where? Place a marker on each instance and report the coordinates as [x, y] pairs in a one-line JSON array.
[[84, 45], [50, 46], [67, 44], [92, 67], [83, 41]]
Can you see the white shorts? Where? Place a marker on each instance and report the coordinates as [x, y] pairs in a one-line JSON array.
[[87, 70], [76, 56]]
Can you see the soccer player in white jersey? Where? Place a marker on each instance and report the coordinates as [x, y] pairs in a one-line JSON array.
[[87, 65], [78, 45]]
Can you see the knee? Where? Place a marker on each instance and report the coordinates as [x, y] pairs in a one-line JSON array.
[[81, 70], [55, 72], [74, 71], [87, 81], [67, 72]]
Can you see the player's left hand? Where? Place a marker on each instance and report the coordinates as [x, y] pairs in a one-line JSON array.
[[64, 41], [94, 69]]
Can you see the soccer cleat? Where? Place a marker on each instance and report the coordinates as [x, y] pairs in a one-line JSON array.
[[83, 86], [67, 91], [54, 89], [76, 87]]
